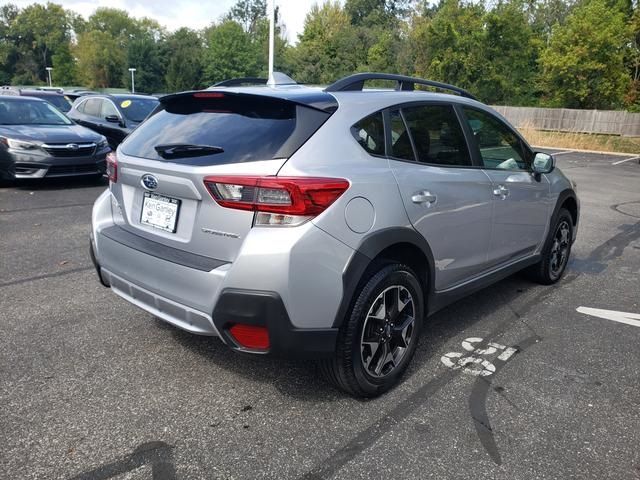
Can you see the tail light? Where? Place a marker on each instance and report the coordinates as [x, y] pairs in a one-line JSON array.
[[284, 201], [112, 167], [251, 336]]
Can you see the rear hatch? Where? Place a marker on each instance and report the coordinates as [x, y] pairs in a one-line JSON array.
[[161, 166]]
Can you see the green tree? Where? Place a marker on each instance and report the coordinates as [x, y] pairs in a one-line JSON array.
[[64, 67], [632, 99], [117, 23], [184, 52], [450, 43], [101, 61], [328, 47], [40, 31], [143, 54], [248, 13], [376, 13], [8, 50], [583, 66], [546, 15], [230, 53], [508, 55]]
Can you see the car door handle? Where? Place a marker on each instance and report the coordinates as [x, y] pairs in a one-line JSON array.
[[501, 191], [424, 197]]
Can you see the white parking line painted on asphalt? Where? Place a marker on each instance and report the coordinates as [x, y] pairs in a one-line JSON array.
[[625, 160], [620, 317], [579, 150], [563, 152]]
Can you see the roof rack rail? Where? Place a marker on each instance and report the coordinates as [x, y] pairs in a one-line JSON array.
[[356, 82], [236, 82]]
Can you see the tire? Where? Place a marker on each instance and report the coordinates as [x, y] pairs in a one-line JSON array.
[[358, 366], [556, 251]]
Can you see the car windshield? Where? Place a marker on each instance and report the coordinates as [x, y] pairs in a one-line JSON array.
[[137, 109], [30, 112], [58, 101]]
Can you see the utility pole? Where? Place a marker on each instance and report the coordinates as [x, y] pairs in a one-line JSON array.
[[271, 11], [133, 80]]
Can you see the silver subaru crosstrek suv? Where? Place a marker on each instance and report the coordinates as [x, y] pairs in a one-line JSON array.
[[326, 223]]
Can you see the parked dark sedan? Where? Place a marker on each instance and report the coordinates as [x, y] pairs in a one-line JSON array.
[[114, 116], [37, 140]]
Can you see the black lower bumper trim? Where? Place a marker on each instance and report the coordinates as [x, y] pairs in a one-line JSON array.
[[96, 264], [263, 308], [158, 250]]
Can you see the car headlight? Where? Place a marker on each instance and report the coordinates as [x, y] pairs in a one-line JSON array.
[[103, 143], [19, 144]]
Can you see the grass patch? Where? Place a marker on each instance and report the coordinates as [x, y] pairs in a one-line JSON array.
[[582, 141]]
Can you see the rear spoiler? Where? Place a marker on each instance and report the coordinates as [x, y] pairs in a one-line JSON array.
[[306, 97]]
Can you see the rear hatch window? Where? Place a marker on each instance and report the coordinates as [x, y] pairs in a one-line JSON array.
[[214, 128]]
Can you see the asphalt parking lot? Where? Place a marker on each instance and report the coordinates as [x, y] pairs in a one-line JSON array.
[[93, 388]]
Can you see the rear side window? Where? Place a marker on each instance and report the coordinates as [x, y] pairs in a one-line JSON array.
[[400, 141], [369, 132], [437, 135], [243, 128]]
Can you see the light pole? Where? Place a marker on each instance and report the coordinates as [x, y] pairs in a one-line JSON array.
[[271, 12], [48, 69], [133, 80]]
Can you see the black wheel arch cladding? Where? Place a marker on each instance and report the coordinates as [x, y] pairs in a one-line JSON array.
[[366, 254]]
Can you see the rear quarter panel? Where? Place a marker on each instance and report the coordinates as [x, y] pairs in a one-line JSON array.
[[333, 152]]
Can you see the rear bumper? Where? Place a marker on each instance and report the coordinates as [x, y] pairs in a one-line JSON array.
[[266, 309], [164, 308], [234, 306], [262, 287]]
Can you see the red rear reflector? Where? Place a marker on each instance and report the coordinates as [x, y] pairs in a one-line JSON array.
[[302, 196], [112, 167], [208, 95], [251, 336]]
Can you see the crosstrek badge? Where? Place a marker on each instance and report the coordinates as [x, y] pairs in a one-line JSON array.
[[125, 103]]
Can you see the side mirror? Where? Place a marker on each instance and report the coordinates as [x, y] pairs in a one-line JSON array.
[[112, 118], [543, 163]]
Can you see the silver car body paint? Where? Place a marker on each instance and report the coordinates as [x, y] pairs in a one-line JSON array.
[[305, 265]]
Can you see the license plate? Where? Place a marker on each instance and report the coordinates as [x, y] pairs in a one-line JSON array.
[[160, 212]]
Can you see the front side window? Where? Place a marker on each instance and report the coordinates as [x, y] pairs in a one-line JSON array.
[[437, 136], [92, 107], [80, 107], [499, 146], [369, 133], [109, 109]]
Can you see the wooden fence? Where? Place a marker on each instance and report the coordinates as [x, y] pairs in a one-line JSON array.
[[568, 120]]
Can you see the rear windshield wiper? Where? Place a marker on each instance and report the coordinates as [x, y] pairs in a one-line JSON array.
[[185, 150]]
